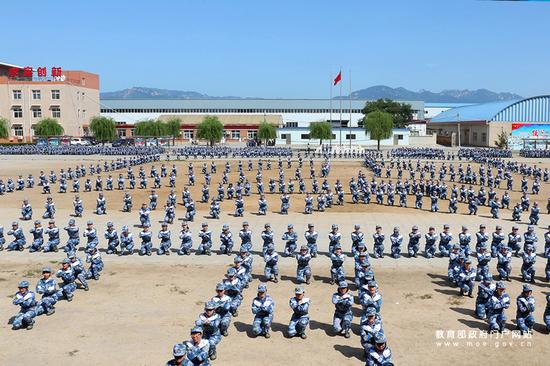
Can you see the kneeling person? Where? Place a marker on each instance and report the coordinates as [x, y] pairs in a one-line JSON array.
[[300, 318]]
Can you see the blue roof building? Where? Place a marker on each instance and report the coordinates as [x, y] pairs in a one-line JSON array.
[[482, 124]]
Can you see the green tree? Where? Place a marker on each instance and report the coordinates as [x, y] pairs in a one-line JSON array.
[[502, 140], [48, 127], [173, 128], [4, 128], [150, 128], [158, 129], [266, 131], [321, 130], [401, 113], [210, 129], [143, 128], [103, 128], [379, 124]]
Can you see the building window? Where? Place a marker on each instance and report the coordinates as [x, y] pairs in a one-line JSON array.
[[400, 137], [284, 136], [56, 112], [235, 135], [17, 112], [83, 95], [350, 136], [83, 113], [36, 94], [292, 124], [188, 134], [475, 136], [121, 132], [17, 95], [56, 94], [18, 131], [252, 134], [483, 137], [36, 112], [304, 136]]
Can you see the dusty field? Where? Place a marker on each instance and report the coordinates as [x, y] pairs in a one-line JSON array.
[[142, 306]]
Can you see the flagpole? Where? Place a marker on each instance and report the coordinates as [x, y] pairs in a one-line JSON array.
[[330, 104], [350, 109], [340, 111]]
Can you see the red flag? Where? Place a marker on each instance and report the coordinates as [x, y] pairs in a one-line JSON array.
[[338, 78]]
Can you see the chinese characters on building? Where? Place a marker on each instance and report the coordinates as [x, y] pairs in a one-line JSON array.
[[38, 74]]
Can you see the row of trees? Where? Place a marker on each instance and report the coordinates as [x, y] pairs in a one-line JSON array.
[[44, 128], [211, 130], [104, 129], [158, 128]]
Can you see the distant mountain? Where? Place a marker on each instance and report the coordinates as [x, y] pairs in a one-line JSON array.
[[374, 92], [138, 92], [446, 96]]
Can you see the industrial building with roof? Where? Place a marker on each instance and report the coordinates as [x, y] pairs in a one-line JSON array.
[[241, 117], [525, 122]]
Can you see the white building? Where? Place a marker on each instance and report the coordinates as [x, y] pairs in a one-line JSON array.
[[341, 137], [293, 112]]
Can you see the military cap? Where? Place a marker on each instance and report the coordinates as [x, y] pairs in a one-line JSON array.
[[179, 350]]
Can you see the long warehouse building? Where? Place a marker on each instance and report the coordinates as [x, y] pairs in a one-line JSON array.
[[240, 117]]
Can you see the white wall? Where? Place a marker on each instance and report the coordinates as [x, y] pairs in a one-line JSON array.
[[304, 119], [427, 140], [418, 128], [362, 138]]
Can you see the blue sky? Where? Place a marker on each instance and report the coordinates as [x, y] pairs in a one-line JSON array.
[[286, 48]]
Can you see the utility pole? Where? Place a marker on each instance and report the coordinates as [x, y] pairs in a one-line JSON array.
[[458, 125], [350, 110], [340, 111], [330, 106]]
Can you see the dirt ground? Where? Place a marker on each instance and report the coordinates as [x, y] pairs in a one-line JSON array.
[[143, 305]]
